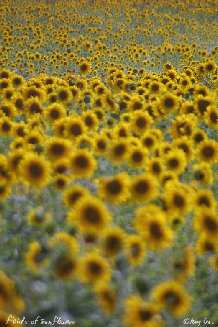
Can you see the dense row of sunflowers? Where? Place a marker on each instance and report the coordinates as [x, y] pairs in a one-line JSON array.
[[108, 163]]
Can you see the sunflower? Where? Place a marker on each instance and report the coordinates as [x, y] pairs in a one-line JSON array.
[[135, 250], [6, 290], [175, 161], [106, 298], [36, 257], [64, 241], [149, 140], [172, 296], [204, 199], [177, 199], [150, 222], [198, 136], [118, 151], [39, 217], [85, 141], [10, 300], [94, 269], [115, 189], [3, 166], [74, 193], [183, 125], [202, 173], [187, 108], [7, 109], [19, 130], [167, 177], [185, 144], [14, 159], [206, 245], [84, 67], [17, 81], [206, 221], [55, 112], [143, 187], [139, 313], [33, 93], [35, 170], [202, 103], [33, 137], [137, 157], [168, 103], [91, 238], [60, 182], [122, 130], [75, 127], [65, 266], [59, 127], [64, 95], [6, 126], [61, 166], [58, 148], [211, 117], [33, 107], [155, 87], [90, 120], [184, 265], [90, 214], [101, 144], [5, 190], [82, 163], [155, 166], [112, 241], [140, 121], [208, 151]]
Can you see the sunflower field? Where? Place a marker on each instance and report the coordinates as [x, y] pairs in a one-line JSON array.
[[109, 163]]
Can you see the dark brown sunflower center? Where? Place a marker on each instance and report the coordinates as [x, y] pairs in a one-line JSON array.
[[114, 187], [168, 103], [210, 224], [113, 243], [141, 122], [203, 200], [35, 170], [137, 156], [145, 314], [92, 215], [57, 149], [75, 129], [81, 161], [179, 201], [208, 151], [95, 268], [119, 150], [173, 163], [142, 187], [172, 298], [155, 230]]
